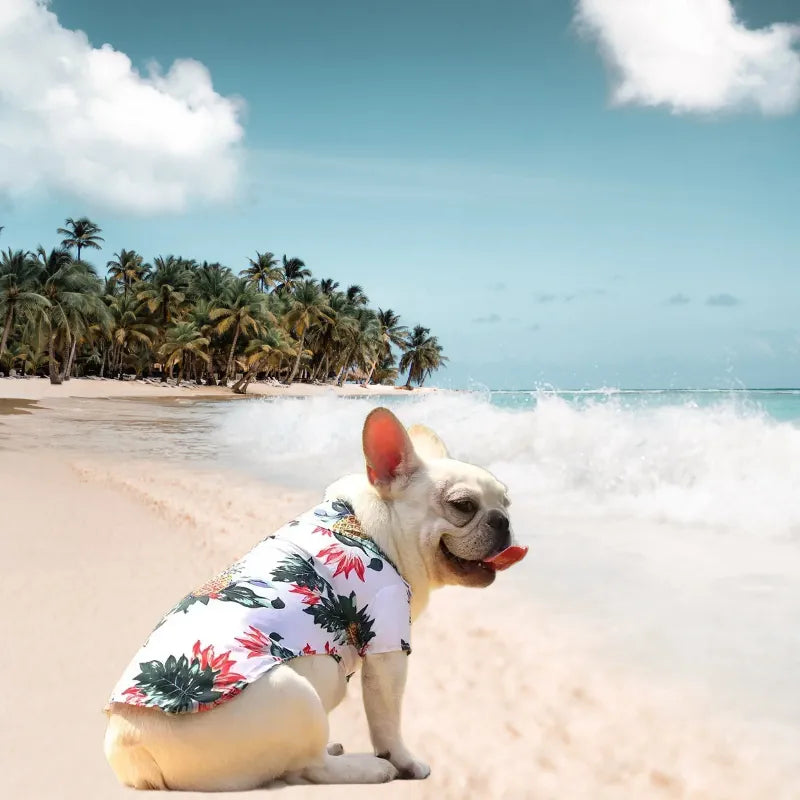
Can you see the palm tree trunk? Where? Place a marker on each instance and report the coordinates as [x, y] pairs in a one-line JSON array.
[[54, 376], [346, 368], [371, 373], [70, 360], [240, 387], [229, 368], [7, 328], [296, 367]]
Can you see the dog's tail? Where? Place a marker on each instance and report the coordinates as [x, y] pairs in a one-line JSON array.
[[133, 765]]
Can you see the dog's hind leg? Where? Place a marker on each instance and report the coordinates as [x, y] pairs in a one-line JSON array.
[[133, 764], [355, 768]]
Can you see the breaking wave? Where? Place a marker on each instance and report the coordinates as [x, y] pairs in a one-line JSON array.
[[724, 464]]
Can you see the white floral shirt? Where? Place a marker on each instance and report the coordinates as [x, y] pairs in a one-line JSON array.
[[317, 586]]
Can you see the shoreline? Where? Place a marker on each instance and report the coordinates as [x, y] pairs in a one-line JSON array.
[[41, 389], [507, 697]]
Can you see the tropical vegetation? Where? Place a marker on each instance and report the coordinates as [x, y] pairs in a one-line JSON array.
[[177, 318]]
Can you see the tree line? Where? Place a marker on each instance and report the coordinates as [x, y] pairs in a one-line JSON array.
[[178, 318]]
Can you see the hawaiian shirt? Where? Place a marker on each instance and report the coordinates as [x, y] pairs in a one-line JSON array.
[[316, 586]]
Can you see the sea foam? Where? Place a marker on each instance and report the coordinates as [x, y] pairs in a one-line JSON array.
[[722, 464]]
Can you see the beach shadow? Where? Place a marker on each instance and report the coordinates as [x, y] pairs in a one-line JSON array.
[[10, 406]]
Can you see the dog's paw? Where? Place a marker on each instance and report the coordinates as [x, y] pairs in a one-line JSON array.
[[412, 770], [408, 768]]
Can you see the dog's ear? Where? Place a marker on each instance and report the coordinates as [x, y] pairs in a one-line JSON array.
[[427, 444], [387, 449]]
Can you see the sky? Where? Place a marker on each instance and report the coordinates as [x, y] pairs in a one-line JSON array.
[[575, 194]]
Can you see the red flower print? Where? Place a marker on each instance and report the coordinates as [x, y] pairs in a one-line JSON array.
[[308, 650], [330, 649], [310, 597], [220, 664], [323, 531], [135, 696], [256, 643], [335, 554]]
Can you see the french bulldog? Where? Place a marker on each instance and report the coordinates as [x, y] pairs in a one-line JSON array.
[[413, 521]]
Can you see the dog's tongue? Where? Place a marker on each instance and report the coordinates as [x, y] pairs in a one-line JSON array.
[[507, 558]]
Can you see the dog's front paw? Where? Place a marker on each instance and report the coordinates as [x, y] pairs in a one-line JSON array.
[[408, 768], [413, 770]]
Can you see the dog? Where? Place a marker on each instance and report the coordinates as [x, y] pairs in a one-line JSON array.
[[414, 521]]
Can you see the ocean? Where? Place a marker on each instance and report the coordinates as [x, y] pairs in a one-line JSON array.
[[666, 523]]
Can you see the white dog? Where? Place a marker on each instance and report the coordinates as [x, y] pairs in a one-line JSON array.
[[346, 579]]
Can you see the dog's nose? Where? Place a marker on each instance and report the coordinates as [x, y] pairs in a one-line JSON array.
[[497, 520]]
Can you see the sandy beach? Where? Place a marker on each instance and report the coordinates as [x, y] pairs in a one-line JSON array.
[[505, 699], [42, 389]]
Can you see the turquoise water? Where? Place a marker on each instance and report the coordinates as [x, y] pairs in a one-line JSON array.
[[779, 404]]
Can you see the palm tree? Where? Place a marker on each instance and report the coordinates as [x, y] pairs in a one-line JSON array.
[[71, 289], [356, 297], [308, 306], [242, 310], [128, 330], [127, 268], [386, 371], [291, 273], [365, 343], [268, 350], [274, 318], [330, 338], [263, 271], [80, 233], [391, 333], [183, 343], [423, 356], [18, 277], [328, 286], [18, 353], [210, 282], [164, 294], [87, 321], [200, 315]]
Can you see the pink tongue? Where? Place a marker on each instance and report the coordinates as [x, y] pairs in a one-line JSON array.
[[506, 558]]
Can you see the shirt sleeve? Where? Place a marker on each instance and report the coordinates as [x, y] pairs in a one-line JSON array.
[[391, 610]]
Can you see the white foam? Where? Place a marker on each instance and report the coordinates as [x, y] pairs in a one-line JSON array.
[[720, 465]]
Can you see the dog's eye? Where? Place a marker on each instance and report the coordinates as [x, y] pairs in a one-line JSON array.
[[465, 506]]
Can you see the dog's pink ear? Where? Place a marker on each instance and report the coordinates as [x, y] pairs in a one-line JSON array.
[[387, 449]]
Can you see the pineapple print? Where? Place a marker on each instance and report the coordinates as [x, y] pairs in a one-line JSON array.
[[348, 526], [225, 588], [216, 584]]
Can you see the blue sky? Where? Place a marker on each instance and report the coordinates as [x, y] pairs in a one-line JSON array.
[[506, 174]]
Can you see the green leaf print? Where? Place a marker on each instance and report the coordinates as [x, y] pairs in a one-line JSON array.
[[177, 684], [244, 596], [277, 650], [300, 571], [339, 615]]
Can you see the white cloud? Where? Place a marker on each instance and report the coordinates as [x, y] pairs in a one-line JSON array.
[[694, 55], [82, 121]]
